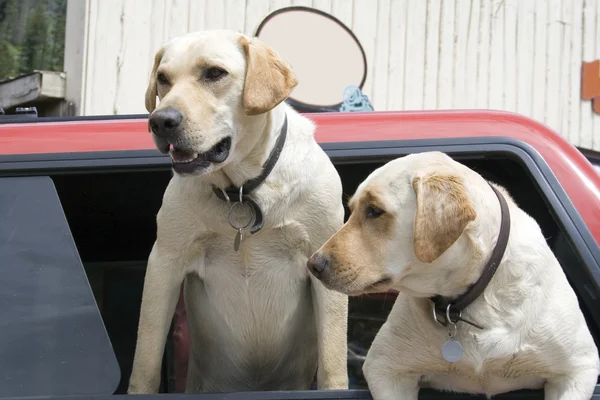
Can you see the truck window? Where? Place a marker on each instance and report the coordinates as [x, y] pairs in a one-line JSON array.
[[51, 327], [112, 218]]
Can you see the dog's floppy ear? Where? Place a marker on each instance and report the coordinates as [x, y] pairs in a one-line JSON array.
[[443, 212], [151, 91], [269, 79]]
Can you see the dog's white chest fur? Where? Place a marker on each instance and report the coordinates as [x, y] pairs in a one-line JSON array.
[[488, 366], [259, 300]]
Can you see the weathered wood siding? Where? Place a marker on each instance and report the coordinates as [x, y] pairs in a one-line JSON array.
[[516, 55]]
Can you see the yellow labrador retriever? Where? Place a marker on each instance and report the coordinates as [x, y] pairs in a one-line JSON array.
[[484, 306], [252, 197]]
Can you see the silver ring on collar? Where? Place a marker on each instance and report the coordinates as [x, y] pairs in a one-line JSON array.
[[250, 220], [450, 322], [448, 315], [448, 319], [240, 203]]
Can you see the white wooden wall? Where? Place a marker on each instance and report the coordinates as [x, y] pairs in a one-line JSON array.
[[516, 55]]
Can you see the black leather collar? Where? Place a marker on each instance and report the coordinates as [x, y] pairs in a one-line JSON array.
[[233, 193], [453, 308]]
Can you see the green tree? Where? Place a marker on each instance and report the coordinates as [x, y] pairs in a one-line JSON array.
[[8, 63], [57, 53], [33, 53], [7, 25]]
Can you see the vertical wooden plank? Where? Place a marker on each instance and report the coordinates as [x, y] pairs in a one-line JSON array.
[[157, 36], [472, 55], [415, 37], [595, 145], [76, 49], [589, 54], [563, 101], [432, 51], [323, 5], [202, 13], [365, 29], [496, 99], [539, 62], [91, 20], [276, 4], [510, 55], [256, 11], [553, 64], [102, 71], [397, 55], [158, 26], [214, 14], [343, 10], [132, 54], [525, 51], [235, 15], [463, 18], [483, 58], [197, 14], [177, 13], [90, 60], [446, 60], [379, 66], [157, 32], [575, 58], [305, 3]]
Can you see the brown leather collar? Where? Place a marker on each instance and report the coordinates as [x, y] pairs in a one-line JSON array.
[[453, 309]]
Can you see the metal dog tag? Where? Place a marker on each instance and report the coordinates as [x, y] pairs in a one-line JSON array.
[[238, 240], [239, 236], [452, 350]]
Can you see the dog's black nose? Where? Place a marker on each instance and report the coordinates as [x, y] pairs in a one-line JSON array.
[[164, 122], [318, 265]]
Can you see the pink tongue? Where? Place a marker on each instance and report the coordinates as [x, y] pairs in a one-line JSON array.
[[180, 155]]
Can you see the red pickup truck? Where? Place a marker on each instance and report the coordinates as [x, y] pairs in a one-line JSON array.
[[78, 200]]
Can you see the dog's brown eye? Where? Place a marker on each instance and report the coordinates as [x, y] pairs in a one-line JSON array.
[[374, 212], [214, 73], [162, 79]]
